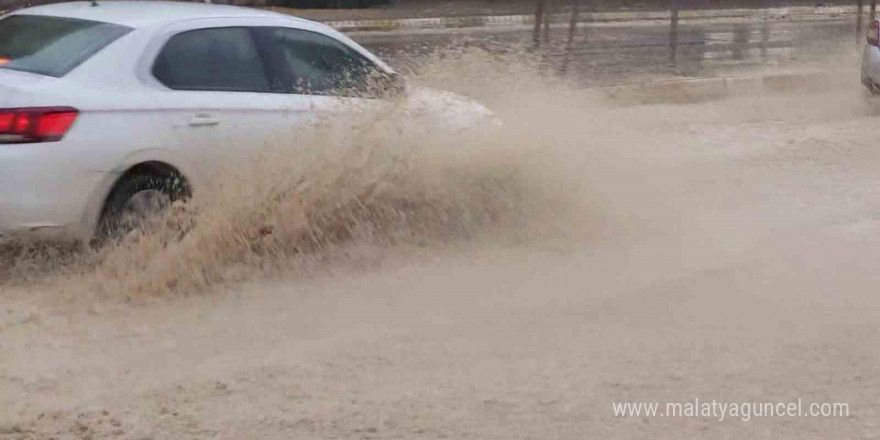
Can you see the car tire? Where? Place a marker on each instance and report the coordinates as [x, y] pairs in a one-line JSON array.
[[135, 200]]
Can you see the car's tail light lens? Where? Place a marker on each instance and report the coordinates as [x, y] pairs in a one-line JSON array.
[[874, 33], [39, 124]]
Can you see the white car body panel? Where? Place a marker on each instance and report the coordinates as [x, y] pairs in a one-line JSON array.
[[127, 117], [871, 68]]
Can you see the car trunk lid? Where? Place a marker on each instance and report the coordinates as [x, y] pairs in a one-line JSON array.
[[13, 84]]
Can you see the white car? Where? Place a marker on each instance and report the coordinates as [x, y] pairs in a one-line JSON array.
[[109, 107], [871, 59]]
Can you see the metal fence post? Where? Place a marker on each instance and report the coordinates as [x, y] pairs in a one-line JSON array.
[[765, 35], [572, 32], [673, 33], [859, 5], [548, 11], [539, 19]]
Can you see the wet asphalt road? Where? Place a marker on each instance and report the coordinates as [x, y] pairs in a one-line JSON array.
[[607, 54]]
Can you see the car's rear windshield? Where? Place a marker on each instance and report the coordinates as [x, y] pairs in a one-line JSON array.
[[52, 46]]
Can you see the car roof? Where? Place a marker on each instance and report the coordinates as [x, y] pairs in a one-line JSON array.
[[137, 14]]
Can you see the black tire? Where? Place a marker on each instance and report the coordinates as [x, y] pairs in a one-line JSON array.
[[111, 225]]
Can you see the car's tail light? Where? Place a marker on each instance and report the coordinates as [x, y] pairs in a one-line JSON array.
[[38, 124], [874, 33]]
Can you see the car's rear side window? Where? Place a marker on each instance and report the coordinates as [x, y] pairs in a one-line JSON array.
[[52, 46], [215, 59]]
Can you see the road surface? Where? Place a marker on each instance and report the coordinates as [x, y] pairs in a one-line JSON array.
[[716, 251]]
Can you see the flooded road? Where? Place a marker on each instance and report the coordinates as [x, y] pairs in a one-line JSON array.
[[511, 283]]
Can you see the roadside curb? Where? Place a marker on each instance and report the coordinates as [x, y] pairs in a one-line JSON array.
[[704, 89], [598, 17]]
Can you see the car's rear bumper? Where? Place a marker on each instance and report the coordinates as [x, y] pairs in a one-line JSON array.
[[42, 195]]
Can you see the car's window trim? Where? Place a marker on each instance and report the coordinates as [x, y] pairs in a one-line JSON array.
[[271, 69], [256, 47]]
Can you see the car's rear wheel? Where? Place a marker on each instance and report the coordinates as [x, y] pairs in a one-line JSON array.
[[136, 202]]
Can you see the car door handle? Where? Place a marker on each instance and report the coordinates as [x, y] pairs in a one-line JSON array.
[[203, 121]]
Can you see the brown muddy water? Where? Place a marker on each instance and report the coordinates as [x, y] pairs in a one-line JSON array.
[[399, 281]]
